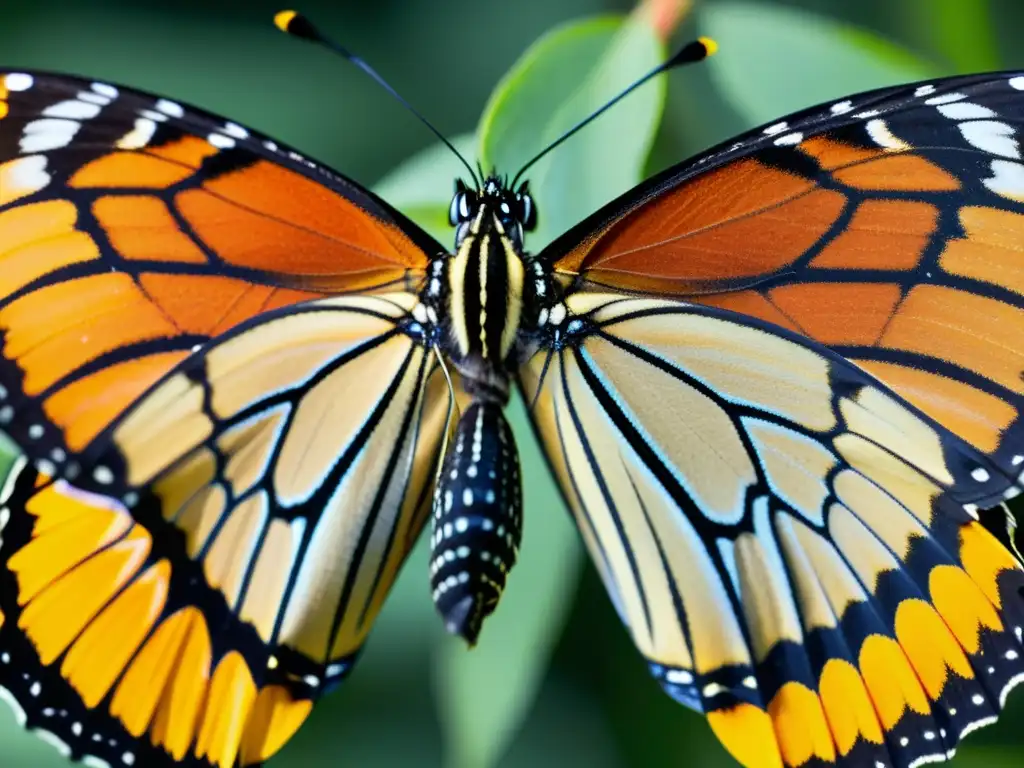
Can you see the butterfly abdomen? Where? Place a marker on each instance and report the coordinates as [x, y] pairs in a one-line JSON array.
[[477, 520]]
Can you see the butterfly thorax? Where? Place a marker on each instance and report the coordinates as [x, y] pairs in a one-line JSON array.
[[481, 291]]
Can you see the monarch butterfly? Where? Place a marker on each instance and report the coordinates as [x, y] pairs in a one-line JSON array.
[[779, 385]]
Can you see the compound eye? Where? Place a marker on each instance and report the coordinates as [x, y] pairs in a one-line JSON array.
[[461, 208], [466, 206], [453, 210], [529, 212]]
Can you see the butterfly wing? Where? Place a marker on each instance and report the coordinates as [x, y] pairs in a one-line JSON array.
[[884, 225], [190, 555], [778, 465]]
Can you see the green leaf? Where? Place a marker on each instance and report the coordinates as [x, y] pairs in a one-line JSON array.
[[562, 78], [485, 693], [421, 187], [775, 60], [961, 30]]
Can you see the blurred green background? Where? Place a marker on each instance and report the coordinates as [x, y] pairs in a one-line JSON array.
[[555, 680]]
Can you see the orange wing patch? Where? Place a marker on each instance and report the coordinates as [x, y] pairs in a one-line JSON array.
[[141, 228], [800, 725], [737, 222], [838, 313], [831, 154], [262, 238], [129, 170], [958, 325], [982, 254], [315, 231], [188, 150], [62, 327], [883, 234], [898, 173]]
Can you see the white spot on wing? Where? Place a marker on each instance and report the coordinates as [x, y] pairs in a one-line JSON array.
[[879, 132], [220, 141], [170, 108], [771, 130], [233, 129], [1016, 82], [713, 689], [18, 81], [946, 98], [139, 136], [789, 140], [679, 676], [150, 114], [1007, 179], [72, 109], [924, 90], [48, 133], [93, 98], [965, 110], [992, 136], [841, 107], [105, 90], [23, 176]]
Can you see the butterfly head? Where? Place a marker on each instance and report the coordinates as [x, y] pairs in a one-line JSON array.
[[513, 210]]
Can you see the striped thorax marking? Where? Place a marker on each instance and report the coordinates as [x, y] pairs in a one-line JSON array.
[[485, 281]]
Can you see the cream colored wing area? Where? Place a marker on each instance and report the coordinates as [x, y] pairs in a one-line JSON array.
[[725, 479], [295, 456]]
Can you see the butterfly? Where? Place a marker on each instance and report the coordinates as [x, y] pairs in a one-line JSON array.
[[780, 386]]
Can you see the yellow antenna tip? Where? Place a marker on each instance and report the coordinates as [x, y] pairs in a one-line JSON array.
[[283, 18], [709, 45]]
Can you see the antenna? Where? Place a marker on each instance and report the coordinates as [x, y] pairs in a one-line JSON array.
[[691, 53], [294, 23]]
